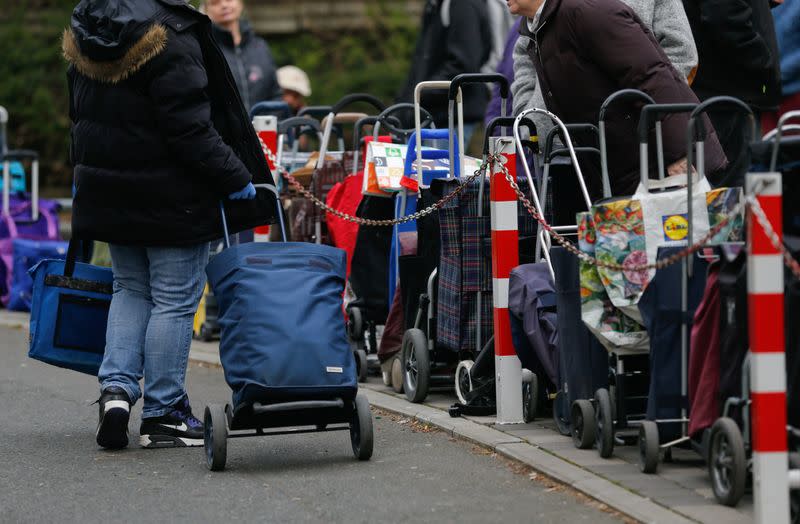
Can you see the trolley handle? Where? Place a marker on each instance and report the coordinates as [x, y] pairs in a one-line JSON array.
[[278, 208], [279, 109], [505, 121], [619, 96], [284, 126], [356, 98], [357, 136], [555, 131], [316, 112], [791, 115], [18, 155], [478, 78], [386, 116], [696, 134]]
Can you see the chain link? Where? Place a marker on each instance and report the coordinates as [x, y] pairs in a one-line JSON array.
[[569, 246], [750, 202], [761, 217], [297, 186]]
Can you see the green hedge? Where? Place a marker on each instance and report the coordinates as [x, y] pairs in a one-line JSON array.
[[33, 84]]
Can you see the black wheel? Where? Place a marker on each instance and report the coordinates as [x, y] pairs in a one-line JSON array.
[[205, 333], [648, 446], [583, 428], [727, 462], [416, 365], [560, 413], [397, 374], [463, 380], [361, 364], [530, 397], [355, 324], [604, 422], [215, 433], [361, 436]]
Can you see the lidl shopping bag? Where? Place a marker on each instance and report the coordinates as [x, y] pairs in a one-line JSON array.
[[615, 330], [631, 230], [69, 313]]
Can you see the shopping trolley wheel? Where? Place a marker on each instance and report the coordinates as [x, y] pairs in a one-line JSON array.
[[727, 462], [583, 424], [530, 395], [397, 374], [361, 364], [205, 333], [463, 380], [561, 412], [648, 446], [361, 435], [416, 365], [215, 437], [387, 378], [604, 422], [355, 324]]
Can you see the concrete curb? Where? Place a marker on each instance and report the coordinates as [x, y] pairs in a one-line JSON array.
[[586, 482]]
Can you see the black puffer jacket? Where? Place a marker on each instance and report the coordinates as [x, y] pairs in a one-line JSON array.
[[454, 39], [738, 51], [159, 133], [251, 64]]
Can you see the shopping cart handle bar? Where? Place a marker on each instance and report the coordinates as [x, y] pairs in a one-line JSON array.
[[505, 121], [653, 112], [284, 126], [623, 94], [571, 128], [20, 154], [355, 98], [478, 78]]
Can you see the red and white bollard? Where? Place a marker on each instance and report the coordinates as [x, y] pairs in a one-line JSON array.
[[767, 354], [267, 129], [505, 257]]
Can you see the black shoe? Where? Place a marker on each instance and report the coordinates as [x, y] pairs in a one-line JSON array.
[[176, 429], [115, 411]]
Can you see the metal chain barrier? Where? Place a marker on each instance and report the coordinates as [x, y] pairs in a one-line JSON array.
[[762, 219], [750, 202], [297, 186], [569, 246]]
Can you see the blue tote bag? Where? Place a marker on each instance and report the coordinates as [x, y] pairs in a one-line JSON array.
[[28, 253], [69, 312], [282, 327]]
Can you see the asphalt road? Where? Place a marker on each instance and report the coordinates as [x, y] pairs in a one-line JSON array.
[[52, 470]]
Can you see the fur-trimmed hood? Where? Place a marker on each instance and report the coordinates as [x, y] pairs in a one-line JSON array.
[[142, 51], [109, 41]]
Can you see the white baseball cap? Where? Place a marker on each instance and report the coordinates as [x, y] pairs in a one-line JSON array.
[[294, 79]]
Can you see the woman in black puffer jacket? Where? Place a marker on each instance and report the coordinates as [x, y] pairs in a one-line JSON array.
[[159, 137]]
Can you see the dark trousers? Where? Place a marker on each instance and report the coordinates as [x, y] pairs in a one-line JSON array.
[[733, 131]]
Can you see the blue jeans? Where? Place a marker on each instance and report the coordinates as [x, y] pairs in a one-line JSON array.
[[156, 292]]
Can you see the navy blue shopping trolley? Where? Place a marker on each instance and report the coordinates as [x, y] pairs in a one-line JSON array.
[[283, 345]]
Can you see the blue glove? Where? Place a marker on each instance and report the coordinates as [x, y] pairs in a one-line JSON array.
[[248, 192]]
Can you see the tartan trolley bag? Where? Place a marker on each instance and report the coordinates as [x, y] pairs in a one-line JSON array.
[[283, 344]]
